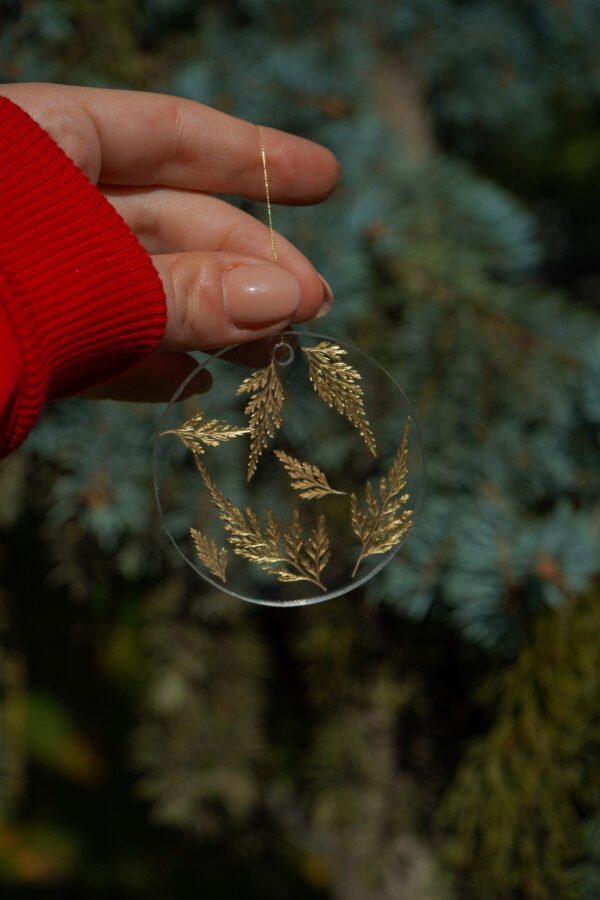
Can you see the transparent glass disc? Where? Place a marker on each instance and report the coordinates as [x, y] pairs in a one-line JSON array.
[[296, 477]]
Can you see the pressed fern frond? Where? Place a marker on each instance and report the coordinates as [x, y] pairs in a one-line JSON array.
[[305, 477], [316, 549], [197, 432], [385, 521], [263, 410], [336, 382], [214, 559], [287, 555]]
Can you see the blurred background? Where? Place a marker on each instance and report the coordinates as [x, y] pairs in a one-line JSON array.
[[438, 735]]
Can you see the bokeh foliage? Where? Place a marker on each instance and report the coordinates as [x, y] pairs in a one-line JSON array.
[[436, 737]]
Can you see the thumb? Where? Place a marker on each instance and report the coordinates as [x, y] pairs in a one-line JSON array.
[[215, 298]]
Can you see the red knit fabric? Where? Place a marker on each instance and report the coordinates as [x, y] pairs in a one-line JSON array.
[[80, 300]]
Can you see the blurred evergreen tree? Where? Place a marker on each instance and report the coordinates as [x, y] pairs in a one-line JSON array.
[[346, 727], [537, 833]]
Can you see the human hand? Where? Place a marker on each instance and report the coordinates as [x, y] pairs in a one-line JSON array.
[[157, 159]]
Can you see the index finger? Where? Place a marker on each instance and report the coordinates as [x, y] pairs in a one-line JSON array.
[[157, 139]]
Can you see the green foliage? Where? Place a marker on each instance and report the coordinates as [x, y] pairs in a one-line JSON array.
[[201, 743], [314, 758], [500, 67], [52, 739], [11, 722], [522, 811], [361, 808]]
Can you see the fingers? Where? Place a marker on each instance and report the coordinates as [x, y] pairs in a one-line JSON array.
[[155, 139], [168, 221], [217, 299], [154, 380]]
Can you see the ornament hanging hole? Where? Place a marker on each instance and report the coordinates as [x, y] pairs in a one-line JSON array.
[[283, 353]]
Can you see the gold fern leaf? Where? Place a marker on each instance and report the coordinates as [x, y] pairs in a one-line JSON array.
[[197, 432], [336, 382], [384, 520], [214, 559], [307, 558], [288, 556], [263, 410], [316, 552], [305, 477]]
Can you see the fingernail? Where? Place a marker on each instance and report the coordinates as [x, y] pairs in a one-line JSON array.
[[256, 295], [327, 301]]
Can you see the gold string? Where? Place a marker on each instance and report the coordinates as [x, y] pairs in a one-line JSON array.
[[263, 156]]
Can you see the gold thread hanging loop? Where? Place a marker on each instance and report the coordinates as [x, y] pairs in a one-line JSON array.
[[283, 353], [263, 156]]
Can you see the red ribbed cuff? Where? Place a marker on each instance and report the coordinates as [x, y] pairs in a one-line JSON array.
[[81, 294]]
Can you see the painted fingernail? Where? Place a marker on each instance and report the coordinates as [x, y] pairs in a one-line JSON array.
[[257, 295], [327, 301]]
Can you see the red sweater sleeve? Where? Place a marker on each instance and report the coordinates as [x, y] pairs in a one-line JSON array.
[[80, 300]]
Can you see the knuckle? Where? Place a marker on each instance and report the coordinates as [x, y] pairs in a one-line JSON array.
[[195, 296], [148, 209], [180, 149], [74, 131]]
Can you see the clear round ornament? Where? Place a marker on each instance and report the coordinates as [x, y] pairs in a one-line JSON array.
[[296, 477]]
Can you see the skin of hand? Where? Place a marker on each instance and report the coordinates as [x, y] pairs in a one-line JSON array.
[[158, 159]]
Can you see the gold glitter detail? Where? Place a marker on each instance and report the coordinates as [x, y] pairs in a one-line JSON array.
[[263, 157]]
